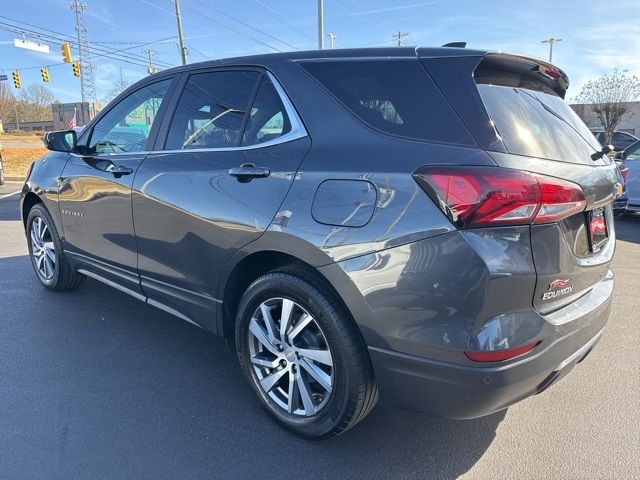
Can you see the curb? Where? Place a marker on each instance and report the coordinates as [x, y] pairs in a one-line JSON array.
[[14, 179]]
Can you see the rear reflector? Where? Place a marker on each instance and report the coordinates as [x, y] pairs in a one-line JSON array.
[[493, 196], [500, 355]]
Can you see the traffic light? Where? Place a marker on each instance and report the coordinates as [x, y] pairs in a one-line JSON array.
[[44, 71], [66, 53], [16, 79], [76, 69]]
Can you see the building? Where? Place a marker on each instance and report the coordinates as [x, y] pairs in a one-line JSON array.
[[41, 126], [630, 122], [63, 114]]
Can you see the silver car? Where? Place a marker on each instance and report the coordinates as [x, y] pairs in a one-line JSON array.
[[631, 159]]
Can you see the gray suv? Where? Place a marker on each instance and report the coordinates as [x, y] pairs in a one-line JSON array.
[[430, 226]]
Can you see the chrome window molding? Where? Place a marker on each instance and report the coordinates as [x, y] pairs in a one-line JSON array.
[[297, 131]]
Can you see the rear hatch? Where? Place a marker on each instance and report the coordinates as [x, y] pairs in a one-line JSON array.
[[515, 107]]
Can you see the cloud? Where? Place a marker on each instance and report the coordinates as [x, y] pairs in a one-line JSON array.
[[98, 11], [388, 9]]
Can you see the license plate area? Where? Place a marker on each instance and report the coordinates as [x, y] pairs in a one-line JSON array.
[[598, 231]]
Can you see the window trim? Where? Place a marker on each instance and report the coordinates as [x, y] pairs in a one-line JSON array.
[[297, 131]]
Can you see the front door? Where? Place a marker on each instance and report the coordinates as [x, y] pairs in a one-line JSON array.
[[231, 152], [95, 193]]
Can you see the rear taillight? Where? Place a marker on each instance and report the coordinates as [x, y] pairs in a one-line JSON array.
[[624, 171], [493, 196]]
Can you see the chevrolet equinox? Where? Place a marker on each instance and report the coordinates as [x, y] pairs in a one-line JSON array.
[[430, 226]]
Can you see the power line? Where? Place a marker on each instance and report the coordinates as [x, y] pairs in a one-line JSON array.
[[62, 37], [246, 24], [228, 27], [113, 55], [199, 52], [97, 52], [283, 19]]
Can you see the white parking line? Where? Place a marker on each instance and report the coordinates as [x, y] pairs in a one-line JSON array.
[[9, 195]]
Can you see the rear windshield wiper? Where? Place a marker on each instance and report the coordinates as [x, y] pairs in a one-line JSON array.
[[558, 116]]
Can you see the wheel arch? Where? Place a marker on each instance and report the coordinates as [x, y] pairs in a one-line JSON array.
[[257, 263], [30, 199]]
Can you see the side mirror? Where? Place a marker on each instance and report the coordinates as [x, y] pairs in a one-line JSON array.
[[61, 141]]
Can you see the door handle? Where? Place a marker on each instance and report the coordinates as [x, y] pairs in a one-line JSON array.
[[245, 172], [119, 170]]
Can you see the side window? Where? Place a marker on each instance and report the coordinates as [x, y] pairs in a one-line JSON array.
[[633, 153], [125, 128], [211, 110], [268, 118], [397, 97]]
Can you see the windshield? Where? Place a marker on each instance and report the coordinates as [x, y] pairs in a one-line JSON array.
[[538, 124]]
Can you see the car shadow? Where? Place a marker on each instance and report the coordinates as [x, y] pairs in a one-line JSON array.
[[97, 384], [10, 208], [628, 228]]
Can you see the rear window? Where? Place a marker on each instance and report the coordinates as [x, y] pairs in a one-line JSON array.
[[535, 122], [394, 96]]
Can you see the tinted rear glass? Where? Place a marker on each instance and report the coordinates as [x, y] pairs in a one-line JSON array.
[[395, 96], [536, 122]]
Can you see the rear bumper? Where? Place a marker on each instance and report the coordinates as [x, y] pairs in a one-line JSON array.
[[462, 391]]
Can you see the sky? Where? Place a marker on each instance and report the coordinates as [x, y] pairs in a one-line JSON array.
[[597, 35]]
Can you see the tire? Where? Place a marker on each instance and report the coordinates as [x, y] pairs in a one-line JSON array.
[[45, 251], [352, 394]]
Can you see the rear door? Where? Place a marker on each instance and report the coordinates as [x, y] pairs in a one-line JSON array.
[[518, 114], [95, 195], [223, 165]]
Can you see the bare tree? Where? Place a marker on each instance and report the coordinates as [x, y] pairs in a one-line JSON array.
[[36, 94], [608, 99], [34, 103], [7, 104], [119, 87]]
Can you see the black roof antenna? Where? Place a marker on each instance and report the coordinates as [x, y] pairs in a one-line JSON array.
[[456, 44]]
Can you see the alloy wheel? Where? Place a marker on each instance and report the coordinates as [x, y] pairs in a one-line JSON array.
[[42, 248], [290, 357]]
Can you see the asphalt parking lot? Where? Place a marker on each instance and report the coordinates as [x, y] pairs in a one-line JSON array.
[[94, 384]]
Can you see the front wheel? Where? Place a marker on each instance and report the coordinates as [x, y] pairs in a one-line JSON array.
[[45, 250], [303, 355]]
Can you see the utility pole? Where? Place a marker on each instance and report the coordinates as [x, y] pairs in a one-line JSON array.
[[183, 47], [551, 41], [398, 37], [320, 24], [17, 121], [87, 84], [332, 37], [150, 67]]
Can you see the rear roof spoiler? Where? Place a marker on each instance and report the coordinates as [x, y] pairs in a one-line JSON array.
[[505, 69], [455, 45], [499, 65]]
